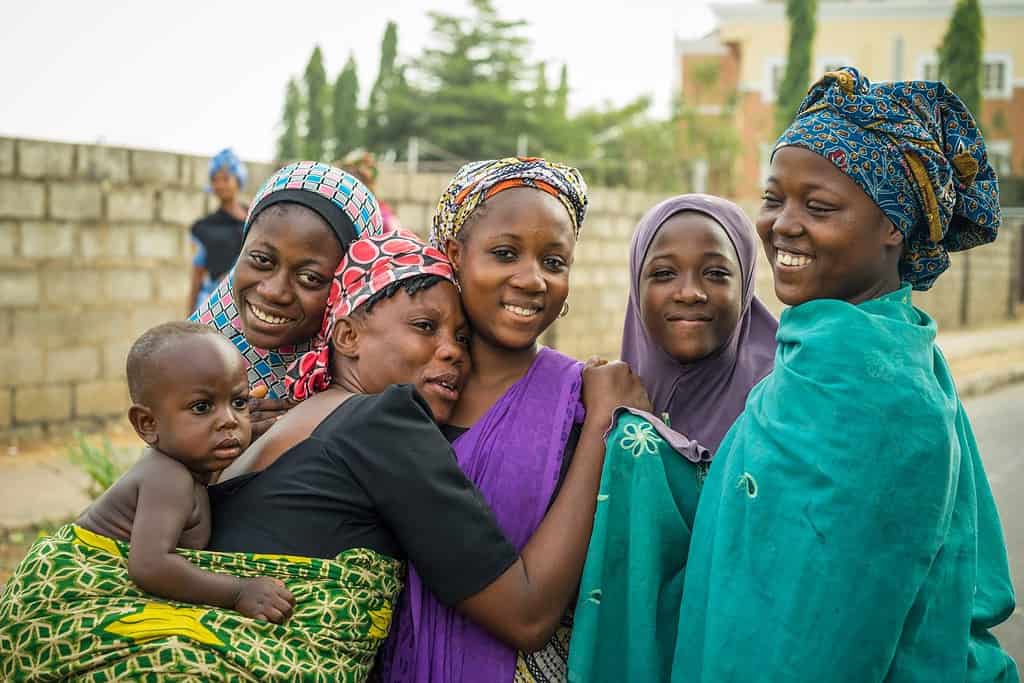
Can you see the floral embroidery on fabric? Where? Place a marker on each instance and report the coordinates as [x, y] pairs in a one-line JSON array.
[[640, 439]]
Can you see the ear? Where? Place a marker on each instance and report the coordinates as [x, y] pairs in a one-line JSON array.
[[346, 338], [893, 236], [144, 422], [453, 249]]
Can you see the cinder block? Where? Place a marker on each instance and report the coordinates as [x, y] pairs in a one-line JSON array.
[[145, 317], [6, 156], [427, 187], [181, 206], [392, 185], [47, 240], [21, 198], [414, 216], [129, 285], [22, 366], [42, 403], [68, 287], [131, 204], [115, 355], [101, 398], [78, 201], [195, 172], [100, 242], [172, 285], [159, 168], [38, 159], [69, 365], [103, 164], [19, 289], [158, 242], [6, 407], [8, 238]]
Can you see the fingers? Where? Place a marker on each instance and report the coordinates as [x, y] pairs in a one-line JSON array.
[[258, 391], [259, 427]]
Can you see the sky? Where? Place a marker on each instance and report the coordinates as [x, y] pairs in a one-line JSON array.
[[198, 75]]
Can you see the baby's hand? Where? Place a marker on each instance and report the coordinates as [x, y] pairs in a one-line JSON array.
[[265, 599]]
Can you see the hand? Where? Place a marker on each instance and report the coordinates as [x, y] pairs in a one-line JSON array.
[[607, 386], [264, 599], [264, 412]]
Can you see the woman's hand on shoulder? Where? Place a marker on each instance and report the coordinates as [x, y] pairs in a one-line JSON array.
[[608, 385], [264, 412]]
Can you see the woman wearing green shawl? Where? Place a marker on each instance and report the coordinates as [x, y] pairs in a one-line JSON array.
[[846, 530]]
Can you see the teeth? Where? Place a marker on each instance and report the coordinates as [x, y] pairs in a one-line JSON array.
[[518, 310], [786, 258], [267, 317]]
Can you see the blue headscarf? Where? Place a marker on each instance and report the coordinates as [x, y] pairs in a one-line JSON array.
[[916, 150], [227, 159]]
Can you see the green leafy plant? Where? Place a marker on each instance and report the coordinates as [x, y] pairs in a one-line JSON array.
[[97, 461]]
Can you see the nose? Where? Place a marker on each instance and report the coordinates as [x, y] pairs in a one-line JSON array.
[[530, 278], [786, 222], [691, 290], [227, 419], [276, 287], [449, 350]]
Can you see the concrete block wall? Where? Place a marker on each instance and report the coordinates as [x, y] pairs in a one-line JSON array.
[[94, 250]]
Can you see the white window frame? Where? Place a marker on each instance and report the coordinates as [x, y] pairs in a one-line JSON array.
[[1005, 92], [769, 89], [925, 61]]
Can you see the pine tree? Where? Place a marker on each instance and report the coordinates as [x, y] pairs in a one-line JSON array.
[[289, 144], [960, 54], [477, 103], [317, 97], [347, 127], [561, 100], [381, 95], [802, 18]]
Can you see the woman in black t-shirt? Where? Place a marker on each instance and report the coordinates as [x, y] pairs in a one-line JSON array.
[[360, 463]]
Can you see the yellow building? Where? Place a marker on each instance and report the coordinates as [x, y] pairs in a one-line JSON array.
[[885, 39]]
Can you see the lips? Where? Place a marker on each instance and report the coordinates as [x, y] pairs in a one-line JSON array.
[[523, 310], [446, 386], [228, 448], [265, 316], [789, 258]]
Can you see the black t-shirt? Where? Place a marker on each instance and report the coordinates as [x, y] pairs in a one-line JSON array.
[[220, 233], [376, 473]]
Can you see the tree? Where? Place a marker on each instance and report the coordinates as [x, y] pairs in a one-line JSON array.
[[347, 128], [561, 100], [960, 54], [289, 144], [317, 97], [802, 18], [378, 106], [474, 103]]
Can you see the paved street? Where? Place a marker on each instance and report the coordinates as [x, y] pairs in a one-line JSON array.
[[998, 419]]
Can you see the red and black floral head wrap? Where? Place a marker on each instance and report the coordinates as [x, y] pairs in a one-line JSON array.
[[372, 263]]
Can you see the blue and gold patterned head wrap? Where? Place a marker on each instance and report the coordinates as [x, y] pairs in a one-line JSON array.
[[478, 181], [227, 159], [916, 150]]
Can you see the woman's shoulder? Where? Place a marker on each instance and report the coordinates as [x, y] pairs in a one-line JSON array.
[[398, 406]]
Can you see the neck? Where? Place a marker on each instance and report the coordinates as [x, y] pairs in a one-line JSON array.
[[232, 206], [887, 286], [499, 365]]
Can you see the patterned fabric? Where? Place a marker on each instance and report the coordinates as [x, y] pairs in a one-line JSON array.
[[226, 158], [916, 150], [550, 663], [337, 197], [478, 181], [371, 264], [72, 612]]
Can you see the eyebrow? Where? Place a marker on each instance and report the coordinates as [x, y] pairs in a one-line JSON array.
[[809, 185]]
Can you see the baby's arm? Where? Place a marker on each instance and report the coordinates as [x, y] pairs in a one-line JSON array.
[[166, 498]]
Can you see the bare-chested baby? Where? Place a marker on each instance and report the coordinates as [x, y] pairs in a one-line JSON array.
[[190, 396]]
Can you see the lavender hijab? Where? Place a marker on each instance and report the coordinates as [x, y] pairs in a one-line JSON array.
[[705, 397]]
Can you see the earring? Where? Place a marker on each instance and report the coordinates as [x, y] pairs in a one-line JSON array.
[[565, 310]]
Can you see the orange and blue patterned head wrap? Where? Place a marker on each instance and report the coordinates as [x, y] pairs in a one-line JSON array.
[[478, 181], [916, 150], [372, 263]]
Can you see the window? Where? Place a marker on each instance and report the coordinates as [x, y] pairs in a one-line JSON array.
[[928, 68], [774, 70], [999, 155], [830, 64], [995, 76]]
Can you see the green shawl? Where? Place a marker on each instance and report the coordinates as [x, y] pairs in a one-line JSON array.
[[846, 531]]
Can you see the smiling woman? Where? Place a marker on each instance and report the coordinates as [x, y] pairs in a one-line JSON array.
[[270, 305]]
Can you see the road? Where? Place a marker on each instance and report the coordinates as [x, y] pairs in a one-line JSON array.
[[998, 421]]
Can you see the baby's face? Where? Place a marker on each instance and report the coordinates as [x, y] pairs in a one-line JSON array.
[[201, 403]]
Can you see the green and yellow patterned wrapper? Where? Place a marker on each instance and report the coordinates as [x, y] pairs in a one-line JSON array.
[[71, 612]]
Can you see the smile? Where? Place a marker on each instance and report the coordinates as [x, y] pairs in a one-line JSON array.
[[448, 386], [791, 260], [265, 316], [522, 311]]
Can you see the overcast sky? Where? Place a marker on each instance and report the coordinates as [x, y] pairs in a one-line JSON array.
[[198, 75]]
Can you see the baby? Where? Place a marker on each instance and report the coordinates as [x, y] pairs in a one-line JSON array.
[[190, 396]]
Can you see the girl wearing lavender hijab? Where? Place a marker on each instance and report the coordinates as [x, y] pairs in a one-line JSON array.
[[699, 340]]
